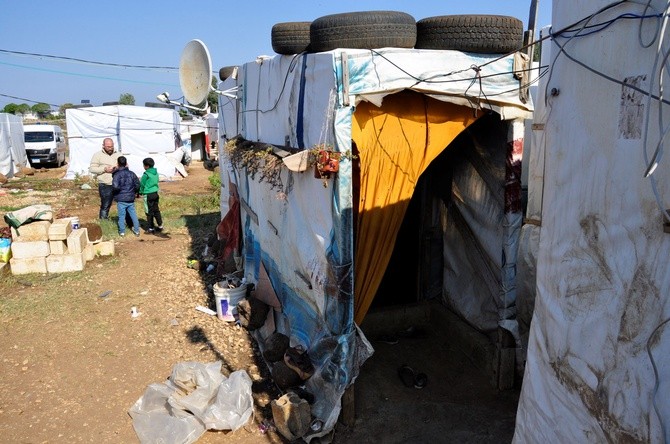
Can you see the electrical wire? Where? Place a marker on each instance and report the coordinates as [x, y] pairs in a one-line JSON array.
[[88, 62]]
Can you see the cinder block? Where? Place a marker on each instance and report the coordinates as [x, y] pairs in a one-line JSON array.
[[89, 252], [77, 241], [105, 248], [25, 250], [34, 231], [63, 263], [60, 229], [58, 247], [292, 416], [30, 265]]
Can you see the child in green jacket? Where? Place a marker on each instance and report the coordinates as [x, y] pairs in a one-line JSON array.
[[149, 190]]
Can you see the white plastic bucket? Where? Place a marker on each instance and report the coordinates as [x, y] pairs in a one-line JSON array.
[[226, 300]]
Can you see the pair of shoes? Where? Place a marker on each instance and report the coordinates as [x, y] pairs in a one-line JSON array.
[[412, 379], [136, 233]]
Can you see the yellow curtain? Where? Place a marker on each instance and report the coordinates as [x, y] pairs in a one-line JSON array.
[[396, 143]]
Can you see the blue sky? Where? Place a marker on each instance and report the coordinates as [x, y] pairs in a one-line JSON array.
[[153, 33]]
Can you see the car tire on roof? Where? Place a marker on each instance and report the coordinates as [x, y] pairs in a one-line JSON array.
[[363, 30], [492, 34], [226, 72], [290, 37], [158, 105]]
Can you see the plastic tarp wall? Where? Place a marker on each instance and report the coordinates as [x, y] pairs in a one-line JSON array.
[[529, 240], [137, 131], [598, 367], [478, 227], [300, 233], [12, 145]]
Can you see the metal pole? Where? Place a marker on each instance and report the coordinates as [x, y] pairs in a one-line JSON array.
[[532, 25]]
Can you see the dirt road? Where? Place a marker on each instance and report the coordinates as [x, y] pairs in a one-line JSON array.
[[73, 362]]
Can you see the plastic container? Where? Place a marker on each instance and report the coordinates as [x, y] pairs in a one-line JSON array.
[[75, 223], [226, 300]]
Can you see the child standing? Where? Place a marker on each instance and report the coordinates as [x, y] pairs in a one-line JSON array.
[[149, 190], [125, 185]]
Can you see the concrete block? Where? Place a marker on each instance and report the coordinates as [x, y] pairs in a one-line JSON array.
[[105, 248], [58, 247], [25, 250], [89, 252], [63, 263], [292, 416], [77, 240], [29, 265], [60, 229], [34, 231]]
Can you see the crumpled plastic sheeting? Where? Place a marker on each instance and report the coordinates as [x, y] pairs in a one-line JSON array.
[[195, 398]]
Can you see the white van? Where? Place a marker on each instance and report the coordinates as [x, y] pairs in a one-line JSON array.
[[45, 144]]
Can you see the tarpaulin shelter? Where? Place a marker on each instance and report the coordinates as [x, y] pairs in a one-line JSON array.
[[137, 131], [317, 248], [12, 146]]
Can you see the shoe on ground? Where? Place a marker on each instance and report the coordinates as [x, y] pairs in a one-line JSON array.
[[149, 231], [159, 229], [136, 233], [122, 234], [407, 376], [388, 339], [297, 359], [420, 380]]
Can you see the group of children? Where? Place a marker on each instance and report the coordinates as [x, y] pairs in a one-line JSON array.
[[127, 187]]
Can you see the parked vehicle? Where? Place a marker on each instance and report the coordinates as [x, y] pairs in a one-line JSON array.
[[45, 144]]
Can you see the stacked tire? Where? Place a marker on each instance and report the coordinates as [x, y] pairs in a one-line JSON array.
[[493, 34]]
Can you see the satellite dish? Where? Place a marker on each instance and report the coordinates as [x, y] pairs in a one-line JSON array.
[[195, 72]]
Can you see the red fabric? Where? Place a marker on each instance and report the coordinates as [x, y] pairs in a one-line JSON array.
[[229, 232]]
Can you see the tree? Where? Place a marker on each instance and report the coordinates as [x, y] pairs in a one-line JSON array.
[[126, 99], [213, 98], [23, 108], [10, 108], [41, 109], [64, 107]]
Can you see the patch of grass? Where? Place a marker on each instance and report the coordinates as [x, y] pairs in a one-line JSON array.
[[42, 298], [110, 229], [7, 209]]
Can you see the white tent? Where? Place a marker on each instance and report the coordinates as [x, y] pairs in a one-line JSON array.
[[137, 131], [12, 146], [598, 367]]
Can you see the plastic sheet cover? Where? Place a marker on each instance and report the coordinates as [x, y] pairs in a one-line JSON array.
[[598, 367]]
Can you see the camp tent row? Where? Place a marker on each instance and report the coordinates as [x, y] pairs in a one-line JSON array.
[[137, 131], [317, 248], [12, 145]]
